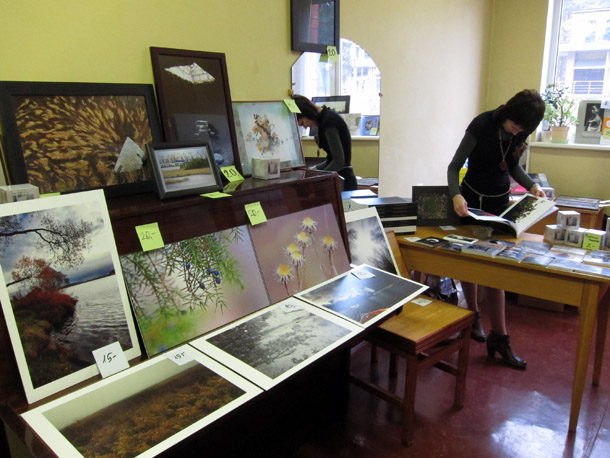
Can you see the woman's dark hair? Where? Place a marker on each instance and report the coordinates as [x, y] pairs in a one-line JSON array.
[[525, 108], [307, 107]]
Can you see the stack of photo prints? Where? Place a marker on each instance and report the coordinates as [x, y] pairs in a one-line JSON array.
[[222, 316]]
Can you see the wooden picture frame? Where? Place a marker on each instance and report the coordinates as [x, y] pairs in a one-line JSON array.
[[195, 100], [590, 118], [184, 168], [314, 25], [65, 137], [267, 129], [63, 294]]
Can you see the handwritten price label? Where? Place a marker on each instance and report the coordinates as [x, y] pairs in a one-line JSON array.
[[216, 195], [333, 55], [288, 307], [255, 213], [292, 106], [231, 173], [110, 359], [362, 274], [180, 356], [150, 236]]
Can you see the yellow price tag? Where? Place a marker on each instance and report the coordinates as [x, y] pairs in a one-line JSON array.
[[230, 187], [323, 57], [150, 236], [255, 213], [373, 130], [231, 173], [50, 194], [215, 195], [333, 55], [292, 106]]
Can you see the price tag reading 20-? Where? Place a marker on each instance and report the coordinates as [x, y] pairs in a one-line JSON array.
[[231, 173], [255, 213], [150, 236]]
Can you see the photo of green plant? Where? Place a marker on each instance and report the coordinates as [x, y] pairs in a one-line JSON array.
[[191, 287], [299, 250]]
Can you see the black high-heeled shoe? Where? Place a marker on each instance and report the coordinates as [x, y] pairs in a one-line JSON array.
[[477, 332], [501, 344]]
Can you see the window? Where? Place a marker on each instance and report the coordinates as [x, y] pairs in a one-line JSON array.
[[579, 53], [355, 75]]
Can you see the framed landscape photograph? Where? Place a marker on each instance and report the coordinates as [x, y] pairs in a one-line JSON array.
[[267, 130], [62, 289], [183, 168], [65, 137], [434, 206], [364, 295], [368, 243], [276, 342], [314, 25], [339, 103], [195, 100], [193, 286], [143, 410]]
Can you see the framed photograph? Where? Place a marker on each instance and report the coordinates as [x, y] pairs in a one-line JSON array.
[[267, 130], [62, 289], [143, 410], [276, 342], [299, 250], [589, 127], [314, 25], [183, 168], [195, 100], [364, 295], [369, 125], [368, 243], [65, 137], [193, 286], [339, 103], [434, 206]]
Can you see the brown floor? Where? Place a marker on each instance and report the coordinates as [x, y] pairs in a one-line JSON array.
[[507, 412]]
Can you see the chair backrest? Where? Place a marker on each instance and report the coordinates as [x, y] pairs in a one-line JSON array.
[[402, 267]]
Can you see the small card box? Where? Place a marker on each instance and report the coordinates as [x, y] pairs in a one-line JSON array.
[[18, 192], [568, 218], [593, 239], [554, 233], [266, 168], [575, 236]]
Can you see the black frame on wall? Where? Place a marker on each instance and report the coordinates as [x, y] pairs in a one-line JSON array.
[[314, 25]]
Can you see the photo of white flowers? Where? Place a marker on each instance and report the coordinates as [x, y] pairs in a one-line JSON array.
[[299, 250]]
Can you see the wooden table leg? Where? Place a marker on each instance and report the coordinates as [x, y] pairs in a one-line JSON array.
[[588, 312], [600, 336]]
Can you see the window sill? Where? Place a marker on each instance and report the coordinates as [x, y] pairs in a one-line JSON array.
[[580, 146]]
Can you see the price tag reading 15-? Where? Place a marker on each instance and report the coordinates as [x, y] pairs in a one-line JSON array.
[[110, 359], [255, 213], [231, 173]]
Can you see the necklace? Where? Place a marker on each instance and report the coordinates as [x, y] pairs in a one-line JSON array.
[[504, 153]]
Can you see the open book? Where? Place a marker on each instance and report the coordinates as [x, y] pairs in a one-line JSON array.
[[518, 217]]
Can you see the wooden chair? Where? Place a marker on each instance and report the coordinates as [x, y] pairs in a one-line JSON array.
[[425, 337]]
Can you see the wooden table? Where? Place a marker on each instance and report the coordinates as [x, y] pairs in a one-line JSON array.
[[590, 293]]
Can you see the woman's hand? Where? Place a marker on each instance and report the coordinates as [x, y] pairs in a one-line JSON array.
[[537, 191], [459, 205]]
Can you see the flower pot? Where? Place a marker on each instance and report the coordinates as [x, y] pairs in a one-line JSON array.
[[559, 134], [545, 136]]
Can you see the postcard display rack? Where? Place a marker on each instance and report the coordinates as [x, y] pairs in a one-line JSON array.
[[262, 423]]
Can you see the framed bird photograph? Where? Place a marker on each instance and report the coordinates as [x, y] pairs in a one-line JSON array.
[[195, 100], [65, 137]]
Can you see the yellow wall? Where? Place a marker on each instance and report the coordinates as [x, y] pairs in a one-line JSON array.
[[365, 155]]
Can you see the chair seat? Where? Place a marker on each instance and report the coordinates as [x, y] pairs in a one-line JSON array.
[[425, 336]]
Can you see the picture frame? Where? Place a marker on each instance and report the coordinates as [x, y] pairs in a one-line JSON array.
[[195, 100], [267, 129], [590, 117], [434, 206], [368, 242], [314, 25], [369, 126], [276, 342], [62, 290], [183, 168], [363, 295], [123, 402], [59, 137], [339, 103]]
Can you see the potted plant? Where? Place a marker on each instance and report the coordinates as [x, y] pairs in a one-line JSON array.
[[559, 112]]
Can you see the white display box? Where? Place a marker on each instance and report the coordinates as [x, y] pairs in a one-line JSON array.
[[18, 193], [266, 168], [554, 233], [134, 388], [276, 342], [568, 218], [575, 236]]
